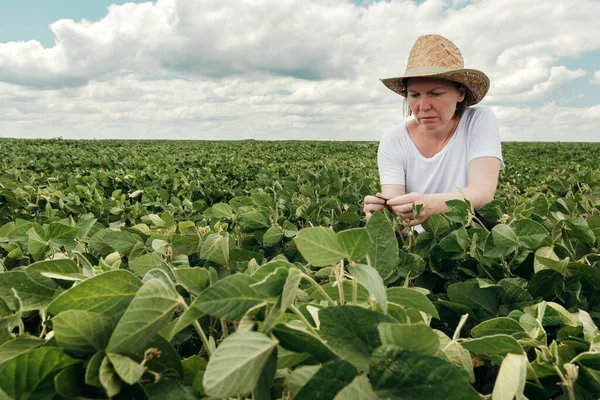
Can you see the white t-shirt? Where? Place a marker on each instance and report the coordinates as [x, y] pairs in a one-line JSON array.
[[401, 163]]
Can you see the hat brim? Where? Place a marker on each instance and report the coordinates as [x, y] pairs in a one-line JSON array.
[[476, 81]]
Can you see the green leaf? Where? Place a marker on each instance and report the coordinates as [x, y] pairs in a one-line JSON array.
[[229, 298], [493, 346], [272, 236], [21, 375], [546, 258], [506, 326], [437, 225], [109, 379], [383, 254], [371, 280], [289, 230], [504, 236], [456, 354], [456, 242], [542, 283], [510, 383], [255, 220], [81, 332], [216, 249], [332, 377], [356, 243], [472, 295], [127, 369], [414, 337], [581, 230], [236, 365], [262, 391], [410, 265], [67, 382], [352, 341], [359, 388], [531, 235], [109, 294], [34, 296], [14, 348], [222, 211], [37, 243], [299, 377], [319, 246], [408, 297], [149, 311], [121, 241], [297, 339], [194, 280], [92, 371], [61, 234], [143, 264], [407, 375]]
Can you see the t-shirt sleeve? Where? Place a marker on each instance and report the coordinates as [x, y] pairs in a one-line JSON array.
[[484, 135], [389, 161]]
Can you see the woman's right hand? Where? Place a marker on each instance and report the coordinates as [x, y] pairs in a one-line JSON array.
[[374, 203]]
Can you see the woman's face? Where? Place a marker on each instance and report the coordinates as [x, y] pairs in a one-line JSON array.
[[433, 102]]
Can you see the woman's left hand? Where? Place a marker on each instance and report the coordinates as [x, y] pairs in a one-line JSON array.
[[403, 206]]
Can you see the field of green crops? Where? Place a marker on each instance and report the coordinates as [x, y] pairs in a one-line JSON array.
[[246, 270]]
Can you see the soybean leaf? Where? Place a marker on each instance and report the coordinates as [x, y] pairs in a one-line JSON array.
[[332, 377], [81, 332], [531, 234], [21, 375], [352, 341], [272, 236], [109, 294], [194, 280], [255, 220], [236, 365], [149, 311], [359, 388], [356, 243], [383, 254], [472, 295], [216, 248], [370, 279], [127, 369], [33, 295], [14, 348], [108, 378], [222, 211], [506, 326], [414, 337], [319, 246], [143, 264], [504, 236], [229, 298], [493, 346], [409, 297], [510, 382], [456, 354], [92, 371], [299, 340], [407, 375], [299, 377]]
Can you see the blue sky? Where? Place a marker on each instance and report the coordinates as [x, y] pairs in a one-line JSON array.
[[307, 67]]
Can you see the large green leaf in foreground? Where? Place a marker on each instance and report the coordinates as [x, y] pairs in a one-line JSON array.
[[149, 311], [236, 365], [21, 375], [406, 375], [108, 294]]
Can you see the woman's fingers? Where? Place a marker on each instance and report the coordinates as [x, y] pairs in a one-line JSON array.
[[374, 200]]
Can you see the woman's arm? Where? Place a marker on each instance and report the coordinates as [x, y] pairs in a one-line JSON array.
[[481, 187]]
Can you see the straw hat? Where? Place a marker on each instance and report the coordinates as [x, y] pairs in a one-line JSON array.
[[437, 57]]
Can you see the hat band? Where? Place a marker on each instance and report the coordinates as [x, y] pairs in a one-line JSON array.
[[427, 70]]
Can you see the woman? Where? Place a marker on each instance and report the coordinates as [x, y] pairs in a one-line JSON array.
[[449, 150]]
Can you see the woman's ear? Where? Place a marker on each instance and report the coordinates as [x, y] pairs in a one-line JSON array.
[[462, 91]]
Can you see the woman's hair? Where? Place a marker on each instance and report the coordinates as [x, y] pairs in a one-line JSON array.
[[460, 107]]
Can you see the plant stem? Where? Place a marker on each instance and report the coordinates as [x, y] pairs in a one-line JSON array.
[[339, 277], [319, 288], [224, 328], [198, 329], [354, 291], [303, 319]]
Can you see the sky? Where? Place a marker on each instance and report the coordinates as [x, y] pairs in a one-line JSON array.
[[285, 69]]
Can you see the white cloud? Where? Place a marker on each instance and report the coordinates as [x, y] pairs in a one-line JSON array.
[[285, 68], [596, 80]]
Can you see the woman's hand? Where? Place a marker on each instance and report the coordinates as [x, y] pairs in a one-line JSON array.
[[374, 203], [403, 206]]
